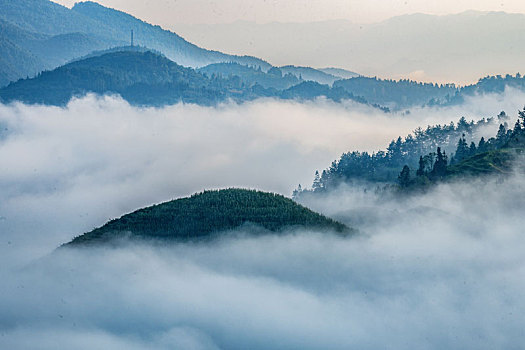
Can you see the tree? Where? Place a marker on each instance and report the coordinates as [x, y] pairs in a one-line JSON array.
[[422, 167], [521, 115], [404, 177], [440, 166], [482, 145], [472, 149], [462, 150], [501, 136], [297, 192], [517, 128], [317, 181]]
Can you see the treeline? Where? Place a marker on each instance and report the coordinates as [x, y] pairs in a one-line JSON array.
[[397, 93], [432, 153], [485, 157]]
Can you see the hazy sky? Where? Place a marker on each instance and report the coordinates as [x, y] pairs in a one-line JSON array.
[[167, 12]]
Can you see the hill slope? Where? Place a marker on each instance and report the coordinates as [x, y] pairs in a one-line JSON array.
[[501, 161], [207, 213], [128, 73], [51, 34], [146, 78]]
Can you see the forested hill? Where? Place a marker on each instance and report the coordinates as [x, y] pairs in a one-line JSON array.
[[205, 214], [37, 35], [430, 156], [147, 78], [140, 77], [397, 94]]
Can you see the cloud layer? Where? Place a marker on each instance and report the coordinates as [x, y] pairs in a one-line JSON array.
[[441, 270]]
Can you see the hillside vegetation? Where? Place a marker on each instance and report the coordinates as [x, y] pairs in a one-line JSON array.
[[48, 35], [140, 77], [147, 78], [204, 214]]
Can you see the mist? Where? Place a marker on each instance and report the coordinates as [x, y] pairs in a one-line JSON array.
[[439, 270]]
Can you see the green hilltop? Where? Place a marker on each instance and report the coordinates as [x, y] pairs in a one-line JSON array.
[[204, 214]]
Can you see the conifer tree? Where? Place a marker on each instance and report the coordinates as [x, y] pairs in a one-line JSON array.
[[404, 177], [422, 165]]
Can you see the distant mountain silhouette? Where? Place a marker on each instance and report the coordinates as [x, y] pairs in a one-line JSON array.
[[310, 74], [142, 78], [338, 72], [444, 48], [41, 35], [147, 78]]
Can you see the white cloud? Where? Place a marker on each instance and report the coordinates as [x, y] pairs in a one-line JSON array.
[[441, 270]]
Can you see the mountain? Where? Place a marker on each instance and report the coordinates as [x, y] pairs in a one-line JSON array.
[[457, 48], [128, 73], [15, 60], [154, 37], [147, 78], [209, 213], [27, 53], [43, 35]]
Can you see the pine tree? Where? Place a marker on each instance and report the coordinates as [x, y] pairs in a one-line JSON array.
[[404, 177], [521, 115], [472, 149], [501, 136], [317, 181], [482, 145], [517, 128], [462, 150], [440, 166], [422, 165]]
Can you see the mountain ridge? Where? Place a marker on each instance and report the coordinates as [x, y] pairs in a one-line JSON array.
[[100, 27]]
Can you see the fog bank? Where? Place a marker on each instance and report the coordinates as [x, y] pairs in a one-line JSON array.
[[440, 270]]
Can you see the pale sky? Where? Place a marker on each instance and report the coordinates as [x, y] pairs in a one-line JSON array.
[[169, 12]]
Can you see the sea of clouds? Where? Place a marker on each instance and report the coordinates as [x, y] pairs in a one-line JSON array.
[[439, 270]]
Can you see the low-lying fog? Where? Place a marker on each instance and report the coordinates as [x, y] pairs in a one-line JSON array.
[[441, 270]]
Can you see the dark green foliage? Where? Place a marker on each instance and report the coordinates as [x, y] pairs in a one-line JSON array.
[[493, 156], [439, 170], [417, 151], [462, 150], [204, 214], [492, 162]]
